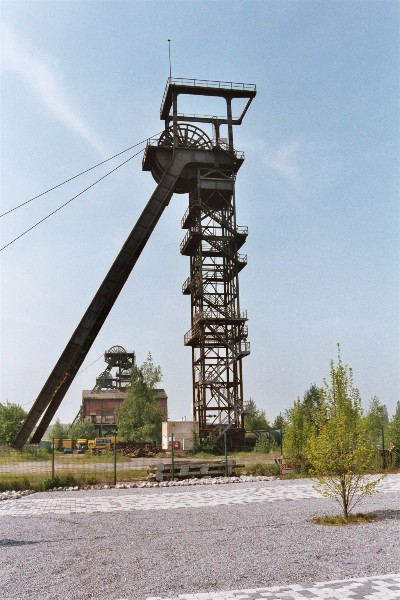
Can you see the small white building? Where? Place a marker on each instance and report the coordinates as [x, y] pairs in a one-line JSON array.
[[183, 434]]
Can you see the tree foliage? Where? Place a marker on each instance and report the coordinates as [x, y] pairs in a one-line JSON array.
[[278, 423], [139, 418], [393, 436], [83, 430], [60, 431], [340, 450], [265, 443], [255, 419], [296, 435], [311, 404], [11, 417], [299, 422], [377, 419]]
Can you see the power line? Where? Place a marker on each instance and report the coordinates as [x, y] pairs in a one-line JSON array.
[[79, 174], [79, 373], [70, 200], [92, 363]]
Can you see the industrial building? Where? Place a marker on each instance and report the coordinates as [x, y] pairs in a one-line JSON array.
[[99, 404]]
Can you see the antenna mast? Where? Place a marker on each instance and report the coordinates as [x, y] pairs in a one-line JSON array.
[[169, 57]]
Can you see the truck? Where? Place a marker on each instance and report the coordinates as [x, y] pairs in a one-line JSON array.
[[99, 445], [65, 445]]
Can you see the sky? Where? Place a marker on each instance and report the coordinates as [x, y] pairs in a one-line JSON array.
[[319, 189]]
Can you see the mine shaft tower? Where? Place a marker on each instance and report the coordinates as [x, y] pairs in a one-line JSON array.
[[218, 334], [183, 160]]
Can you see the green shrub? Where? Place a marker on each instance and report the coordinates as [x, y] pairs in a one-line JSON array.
[[206, 446], [91, 480], [16, 485], [356, 519], [296, 475], [264, 469], [35, 453], [264, 444], [56, 482]]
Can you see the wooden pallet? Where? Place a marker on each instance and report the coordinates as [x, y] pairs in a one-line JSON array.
[[163, 471]]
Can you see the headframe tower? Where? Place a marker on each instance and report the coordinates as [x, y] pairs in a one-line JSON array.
[[218, 333]]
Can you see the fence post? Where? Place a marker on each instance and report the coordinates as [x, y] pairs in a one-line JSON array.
[[115, 459], [172, 457], [52, 461]]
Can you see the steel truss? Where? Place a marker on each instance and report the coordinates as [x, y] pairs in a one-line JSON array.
[[218, 335]]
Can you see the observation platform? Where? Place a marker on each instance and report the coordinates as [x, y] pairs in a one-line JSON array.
[[206, 87]]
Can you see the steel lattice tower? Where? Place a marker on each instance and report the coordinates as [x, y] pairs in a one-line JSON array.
[[218, 334], [219, 331]]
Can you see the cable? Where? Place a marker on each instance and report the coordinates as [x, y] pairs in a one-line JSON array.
[[79, 373], [68, 201], [79, 174], [92, 363]]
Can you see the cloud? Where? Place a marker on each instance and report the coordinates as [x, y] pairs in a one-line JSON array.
[[43, 78]]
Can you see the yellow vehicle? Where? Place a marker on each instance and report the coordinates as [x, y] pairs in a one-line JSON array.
[[81, 445], [99, 445], [65, 446]]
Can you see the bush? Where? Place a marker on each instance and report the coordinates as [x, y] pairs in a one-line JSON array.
[[56, 482], [357, 519], [35, 453], [17, 485], [296, 475], [91, 480], [263, 469], [206, 446], [264, 444]]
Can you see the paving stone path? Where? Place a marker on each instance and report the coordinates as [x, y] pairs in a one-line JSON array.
[[156, 499], [382, 587]]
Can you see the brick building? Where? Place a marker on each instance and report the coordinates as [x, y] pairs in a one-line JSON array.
[[99, 406]]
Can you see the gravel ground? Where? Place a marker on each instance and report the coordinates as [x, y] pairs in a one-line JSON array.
[[139, 553]]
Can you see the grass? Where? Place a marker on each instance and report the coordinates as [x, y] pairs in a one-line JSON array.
[[101, 458], [262, 469], [42, 481], [243, 455], [356, 519], [9, 455]]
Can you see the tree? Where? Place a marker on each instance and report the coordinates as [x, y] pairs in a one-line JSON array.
[[296, 434], [393, 438], [265, 443], [300, 420], [312, 403], [60, 431], [397, 411], [255, 419], [11, 417], [139, 418], [377, 421], [83, 430], [278, 423], [340, 451], [377, 415]]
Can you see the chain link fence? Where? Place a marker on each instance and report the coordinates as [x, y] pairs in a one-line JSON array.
[[61, 463]]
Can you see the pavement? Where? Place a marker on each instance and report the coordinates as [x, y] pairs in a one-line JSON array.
[[196, 497], [171, 500], [385, 587]]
